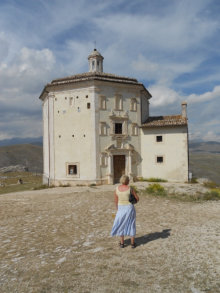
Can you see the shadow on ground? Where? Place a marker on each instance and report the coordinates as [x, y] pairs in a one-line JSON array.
[[150, 237]]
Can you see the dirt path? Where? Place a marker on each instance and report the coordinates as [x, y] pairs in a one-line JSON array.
[[57, 240]]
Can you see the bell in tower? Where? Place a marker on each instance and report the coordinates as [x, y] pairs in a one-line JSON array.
[[95, 61]]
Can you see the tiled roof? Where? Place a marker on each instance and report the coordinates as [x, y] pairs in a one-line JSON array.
[[162, 121], [96, 76], [89, 76]]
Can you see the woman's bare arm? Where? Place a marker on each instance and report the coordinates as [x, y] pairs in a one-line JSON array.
[[135, 195]]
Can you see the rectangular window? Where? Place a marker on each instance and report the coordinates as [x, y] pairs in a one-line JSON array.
[[102, 104], [118, 103], [88, 105], [134, 129], [118, 128], [103, 128], [133, 105], [72, 169], [159, 138], [159, 159]]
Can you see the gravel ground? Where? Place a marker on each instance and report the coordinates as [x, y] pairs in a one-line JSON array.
[[58, 240]]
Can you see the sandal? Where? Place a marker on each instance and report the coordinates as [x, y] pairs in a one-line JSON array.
[[133, 245], [121, 245]]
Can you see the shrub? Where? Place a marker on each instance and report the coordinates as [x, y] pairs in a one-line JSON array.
[[43, 186], [210, 184], [152, 179], [194, 180], [214, 194], [64, 185], [156, 189]]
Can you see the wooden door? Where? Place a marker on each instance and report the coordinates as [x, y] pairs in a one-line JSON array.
[[119, 167]]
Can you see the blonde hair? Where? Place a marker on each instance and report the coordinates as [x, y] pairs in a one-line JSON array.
[[124, 179]]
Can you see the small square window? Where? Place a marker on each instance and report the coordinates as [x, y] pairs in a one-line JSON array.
[[118, 128], [159, 159], [72, 169], [159, 138]]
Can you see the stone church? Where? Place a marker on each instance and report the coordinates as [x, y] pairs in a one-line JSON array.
[[97, 126]]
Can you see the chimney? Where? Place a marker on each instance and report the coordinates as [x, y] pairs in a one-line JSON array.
[[184, 113]]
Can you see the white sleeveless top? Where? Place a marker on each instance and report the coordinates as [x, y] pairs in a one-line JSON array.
[[123, 196]]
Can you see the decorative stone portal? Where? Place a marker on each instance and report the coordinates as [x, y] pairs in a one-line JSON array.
[[118, 167], [119, 162]]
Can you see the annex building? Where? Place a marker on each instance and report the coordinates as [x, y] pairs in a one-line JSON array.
[[97, 126]]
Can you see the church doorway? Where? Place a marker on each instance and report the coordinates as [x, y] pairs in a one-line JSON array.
[[119, 167]]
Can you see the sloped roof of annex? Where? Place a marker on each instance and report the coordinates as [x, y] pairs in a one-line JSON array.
[[164, 121]]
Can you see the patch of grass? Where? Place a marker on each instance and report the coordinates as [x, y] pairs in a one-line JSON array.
[[210, 184], [9, 181], [156, 189], [43, 186], [151, 179], [65, 185], [194, 180], [214, 194], [17, 188], [92, 185]]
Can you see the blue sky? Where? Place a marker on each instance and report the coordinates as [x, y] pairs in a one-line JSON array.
[[172, 46]]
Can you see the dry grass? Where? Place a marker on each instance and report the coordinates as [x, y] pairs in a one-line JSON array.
[[9, 181], [58, 240]]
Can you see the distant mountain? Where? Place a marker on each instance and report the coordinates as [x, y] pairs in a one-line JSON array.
[[18, 140], [27, 155], [204, 160]]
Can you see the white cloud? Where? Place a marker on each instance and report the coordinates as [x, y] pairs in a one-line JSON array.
[[20, 86], [163, 96], [30, 70], [208, 96], [163, 71], [180, 28], [211, 136], [143, 39]]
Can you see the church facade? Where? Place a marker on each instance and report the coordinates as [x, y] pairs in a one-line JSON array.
[[96, 127]]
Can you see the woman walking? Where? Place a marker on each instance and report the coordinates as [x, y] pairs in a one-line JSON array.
[[125, 220]]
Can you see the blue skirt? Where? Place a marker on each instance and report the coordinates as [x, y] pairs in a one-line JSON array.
[[125, 221]]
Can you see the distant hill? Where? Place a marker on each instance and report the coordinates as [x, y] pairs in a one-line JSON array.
[[30, 156], [207, 146], [204, 160], [18, 140]]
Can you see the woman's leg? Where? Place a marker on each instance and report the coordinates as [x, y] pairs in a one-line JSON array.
[[121, 239], [132, 240]]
